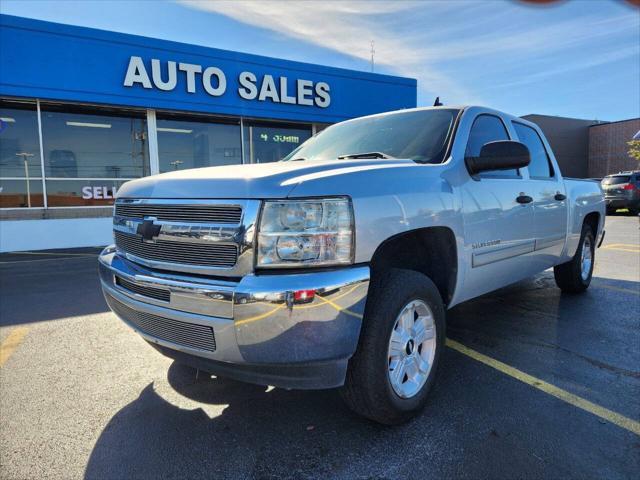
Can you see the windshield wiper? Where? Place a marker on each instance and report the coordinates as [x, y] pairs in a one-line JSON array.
[[364, 155]]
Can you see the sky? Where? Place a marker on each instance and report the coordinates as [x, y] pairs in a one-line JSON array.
[[575, 58]]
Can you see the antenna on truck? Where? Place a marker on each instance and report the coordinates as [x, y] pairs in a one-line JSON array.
[[437, 103]]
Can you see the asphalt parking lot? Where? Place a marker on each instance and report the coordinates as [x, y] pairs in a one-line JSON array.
[[82, 396]]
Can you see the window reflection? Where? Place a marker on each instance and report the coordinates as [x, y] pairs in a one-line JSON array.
[[82, 143], [185, 143], [270, 142], [19, 144], [82, 193], [21, 193]]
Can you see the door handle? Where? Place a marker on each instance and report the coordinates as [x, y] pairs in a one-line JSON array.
[[559, 196], [522, 198]]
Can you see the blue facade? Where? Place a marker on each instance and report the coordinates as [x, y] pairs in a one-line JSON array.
[[51, 61]]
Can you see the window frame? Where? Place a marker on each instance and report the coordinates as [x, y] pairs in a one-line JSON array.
[[552, 168], [482, 176]]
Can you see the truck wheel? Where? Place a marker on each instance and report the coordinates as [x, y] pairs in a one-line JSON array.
[[575, 275], [403, 333]]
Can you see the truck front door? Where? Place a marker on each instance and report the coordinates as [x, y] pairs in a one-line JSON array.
[[498, 225]]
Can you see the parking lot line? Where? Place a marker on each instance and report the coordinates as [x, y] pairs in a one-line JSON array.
[[623, 247], [13, 340], [570, 398]]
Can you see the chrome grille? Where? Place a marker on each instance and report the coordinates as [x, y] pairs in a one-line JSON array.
[[225, 214], [151, 292], [211, 255], [200, 337]]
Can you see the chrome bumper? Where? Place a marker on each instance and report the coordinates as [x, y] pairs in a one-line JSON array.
[[286, 330]]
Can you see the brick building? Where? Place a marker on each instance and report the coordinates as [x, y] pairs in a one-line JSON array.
[[589, 148], [608, 149]]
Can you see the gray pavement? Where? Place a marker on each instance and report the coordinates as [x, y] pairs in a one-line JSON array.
[[82, 396]]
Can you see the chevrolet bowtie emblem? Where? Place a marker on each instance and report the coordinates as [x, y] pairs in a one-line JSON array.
[[148, 230]]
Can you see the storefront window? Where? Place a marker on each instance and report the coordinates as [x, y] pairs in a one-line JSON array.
[[21, 193], [20, 170], [94, 144], [191, 143], [81, 193], [89, 153], [270, 142]]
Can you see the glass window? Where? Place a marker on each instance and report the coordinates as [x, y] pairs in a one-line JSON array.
[[21, 193], [20, 166], [91, 143], [271, 142], [420, 135], [616, 180], [485, 129], [540, 166], [19, 142], [192, 143], [81, 193]]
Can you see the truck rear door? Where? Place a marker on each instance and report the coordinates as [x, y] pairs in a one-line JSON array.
[[549, 199]]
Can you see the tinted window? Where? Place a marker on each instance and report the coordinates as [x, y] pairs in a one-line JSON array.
[[192, 143], [485, 129], [21, 193], [540, 166], [19, 143], [420, 135], [267, 142], [617, 180], [94, 143], [20, 167]]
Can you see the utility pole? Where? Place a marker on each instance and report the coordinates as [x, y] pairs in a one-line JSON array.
[[25, 158], [373, 52]]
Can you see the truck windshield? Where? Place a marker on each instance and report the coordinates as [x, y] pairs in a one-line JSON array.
[[419, 135]]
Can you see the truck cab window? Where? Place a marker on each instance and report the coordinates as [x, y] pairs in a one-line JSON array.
[[485, 129], [540, 166]]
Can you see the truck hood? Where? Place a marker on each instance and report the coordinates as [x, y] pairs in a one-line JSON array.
[[267, 180]]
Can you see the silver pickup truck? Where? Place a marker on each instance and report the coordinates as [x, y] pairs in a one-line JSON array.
[[335, 266]]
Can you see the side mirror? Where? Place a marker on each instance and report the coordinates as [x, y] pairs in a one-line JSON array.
[[499, 155]]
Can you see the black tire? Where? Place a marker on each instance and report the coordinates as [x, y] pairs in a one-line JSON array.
[[611, 211], [634, 211], [367, 390], [569, 275]]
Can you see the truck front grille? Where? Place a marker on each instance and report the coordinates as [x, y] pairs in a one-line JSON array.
[[191, 335], [225, 214], [211, 255], [151, 292]]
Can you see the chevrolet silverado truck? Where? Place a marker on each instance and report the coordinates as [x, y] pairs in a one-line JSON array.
[[335, 266]]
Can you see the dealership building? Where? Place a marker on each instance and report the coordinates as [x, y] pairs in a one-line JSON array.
[[83, 110]]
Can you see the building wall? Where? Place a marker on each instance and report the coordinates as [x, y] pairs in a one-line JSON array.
[[569, 139], [84, 110], [608, 149]]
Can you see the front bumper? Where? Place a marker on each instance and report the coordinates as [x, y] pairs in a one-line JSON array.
[[287, 330]]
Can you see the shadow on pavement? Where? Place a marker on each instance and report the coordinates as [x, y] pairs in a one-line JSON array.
[[478, 422], [42, 287]]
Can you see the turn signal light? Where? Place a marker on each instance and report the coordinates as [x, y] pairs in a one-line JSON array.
[[304, 296]]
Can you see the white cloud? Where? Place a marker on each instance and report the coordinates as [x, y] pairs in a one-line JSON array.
[[346, 27], [432, 41]]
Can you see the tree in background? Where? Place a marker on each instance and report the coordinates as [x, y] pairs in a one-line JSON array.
[[634, 147]]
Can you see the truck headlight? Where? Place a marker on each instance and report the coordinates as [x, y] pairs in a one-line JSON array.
[[300, 233]]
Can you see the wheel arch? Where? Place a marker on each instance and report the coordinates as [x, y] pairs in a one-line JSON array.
[[593, 220], [431, 251]]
